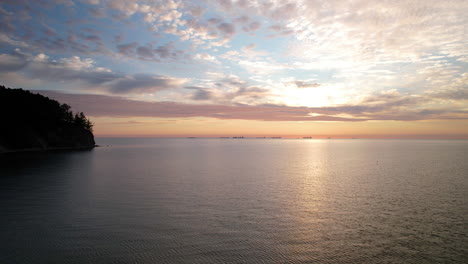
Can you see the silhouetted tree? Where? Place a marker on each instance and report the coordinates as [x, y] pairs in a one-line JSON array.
[[19, 107], [67, 114]]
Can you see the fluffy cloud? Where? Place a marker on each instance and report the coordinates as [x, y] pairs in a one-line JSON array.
[[149, 53], [416, 51], [227, 29], [76, 69], [11, 62]]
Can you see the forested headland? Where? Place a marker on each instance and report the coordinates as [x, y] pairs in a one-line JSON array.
[[35, 122]]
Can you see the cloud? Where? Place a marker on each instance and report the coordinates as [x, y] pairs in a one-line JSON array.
[[76, 69], [12, 42], [231, 90], [451, 94], [231, 80], [305, 84], [200, 94], [242, 19], [226, 4], [252, 26], [144, 83], [164, 51], [215, 21], [352, 49], [206, 57], [227, 29], [103, 105], [11, 63], [96, 12], [251, 95], [143, 51], [149, 53], [284, 11], [127, 49]]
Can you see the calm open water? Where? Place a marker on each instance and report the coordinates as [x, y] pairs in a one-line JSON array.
[[237, 201]]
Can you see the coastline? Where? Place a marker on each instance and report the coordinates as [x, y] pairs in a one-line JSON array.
[[7, 151]]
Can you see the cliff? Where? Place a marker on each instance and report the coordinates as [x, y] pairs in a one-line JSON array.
[[35, 122]]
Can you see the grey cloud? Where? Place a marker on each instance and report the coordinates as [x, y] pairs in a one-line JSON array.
[[235, 90], [101, 105], [213, 28], [284, 11], [304, 84], [227, 29], [94, 38], [78, 44], [226, 4], [77, 70], [12, 62], [118, 38], [200, 94], [242, 3], [250, 93], [163, 51], [6, 24], [143, 83], [231, 81], [96, 12], [45, 36], [280, 30], [242, 19], [252, 89], [143, 51], [277, 27], [255, 25], [386, 106], [196, 11], [147, 52], [127, 49], [252, 26], [3, 12], [59, 71], [48, 30], [451, 94], [214, 21]]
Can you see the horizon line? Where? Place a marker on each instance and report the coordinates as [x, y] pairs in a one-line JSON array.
[[292, 136]]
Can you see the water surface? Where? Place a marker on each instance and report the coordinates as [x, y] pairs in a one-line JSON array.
[[237, 201]]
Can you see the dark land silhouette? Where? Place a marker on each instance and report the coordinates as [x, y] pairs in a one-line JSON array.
[[35, 122]]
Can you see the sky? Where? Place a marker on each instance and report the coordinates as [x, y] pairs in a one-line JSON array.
[[334, 68]]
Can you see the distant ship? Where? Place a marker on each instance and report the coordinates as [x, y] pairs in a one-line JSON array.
[[307, 137], [238, 137], [275, 137]]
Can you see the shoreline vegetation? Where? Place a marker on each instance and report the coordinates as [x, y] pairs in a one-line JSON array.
[[33, 122]]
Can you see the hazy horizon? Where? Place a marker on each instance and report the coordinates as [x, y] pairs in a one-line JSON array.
[[247, 136]]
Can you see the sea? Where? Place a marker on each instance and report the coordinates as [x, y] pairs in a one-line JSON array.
[[218, 200]]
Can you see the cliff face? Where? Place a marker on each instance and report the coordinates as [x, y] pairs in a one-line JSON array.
[[34, 122]]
